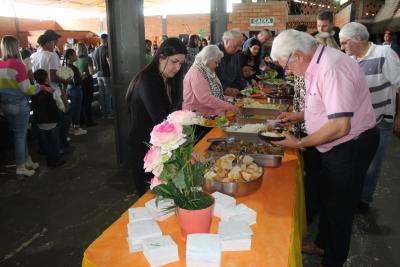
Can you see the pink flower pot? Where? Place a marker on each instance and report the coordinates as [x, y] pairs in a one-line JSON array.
[[195, 221]]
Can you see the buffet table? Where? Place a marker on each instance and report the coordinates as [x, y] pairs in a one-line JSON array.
[[276, 242]]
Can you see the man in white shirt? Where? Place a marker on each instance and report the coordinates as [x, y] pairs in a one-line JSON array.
[[381, 67], [45, 58]]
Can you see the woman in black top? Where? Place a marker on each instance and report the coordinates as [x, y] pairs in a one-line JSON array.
[[154, 92], [250, 61]]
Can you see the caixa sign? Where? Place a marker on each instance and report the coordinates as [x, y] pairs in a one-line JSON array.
[[262, 22]]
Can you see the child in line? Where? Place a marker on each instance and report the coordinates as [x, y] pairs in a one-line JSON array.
[[47, 107]]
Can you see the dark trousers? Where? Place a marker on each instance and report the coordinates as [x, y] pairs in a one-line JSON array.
[[65, 121], [343, 171], [50, 139], [87, 98], [200, 132], [141, 179], [312, 179]]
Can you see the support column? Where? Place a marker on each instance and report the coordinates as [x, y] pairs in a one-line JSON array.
[[125, 24], [164, 25], [218, 20]]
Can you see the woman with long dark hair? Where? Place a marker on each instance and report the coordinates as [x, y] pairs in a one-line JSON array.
[[154, 92], [250, 60]]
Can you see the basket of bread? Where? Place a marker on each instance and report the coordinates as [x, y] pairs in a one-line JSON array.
[[235, 175]]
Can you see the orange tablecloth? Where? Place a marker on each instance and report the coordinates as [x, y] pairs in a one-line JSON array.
[[279, 204]]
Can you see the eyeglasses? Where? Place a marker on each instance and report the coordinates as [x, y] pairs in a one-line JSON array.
[[287, 62]]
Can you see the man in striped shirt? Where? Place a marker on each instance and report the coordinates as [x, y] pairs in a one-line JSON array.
[[381, 67]]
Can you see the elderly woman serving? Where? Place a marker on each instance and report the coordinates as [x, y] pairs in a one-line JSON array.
[[202, 90], [340, 121]]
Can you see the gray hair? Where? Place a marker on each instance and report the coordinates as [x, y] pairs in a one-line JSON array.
[[208, 53], [355, 31], [291, 40], [231, 35], [265, 32]]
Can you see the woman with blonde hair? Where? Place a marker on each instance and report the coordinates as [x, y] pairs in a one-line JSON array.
[[14, 88], [85, 65]]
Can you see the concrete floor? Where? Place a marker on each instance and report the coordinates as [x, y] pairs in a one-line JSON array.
[[49, 219]]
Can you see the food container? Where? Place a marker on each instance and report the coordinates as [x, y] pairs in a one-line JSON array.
[[264, 111], [268, 109], [254, 118], [235, 189], [247, 136], [271, 99], [263, 160]]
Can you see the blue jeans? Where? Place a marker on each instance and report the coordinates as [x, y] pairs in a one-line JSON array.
[[51, 144], [105, 95], [75, 94], [371, 178], [16, 109]]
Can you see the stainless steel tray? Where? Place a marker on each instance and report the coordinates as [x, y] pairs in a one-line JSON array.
[[264, 111], [254, 119], [263, 160]]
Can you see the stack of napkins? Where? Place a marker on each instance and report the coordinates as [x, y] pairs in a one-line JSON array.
[[222, 203], [158, 211], [160, 250], [240, 213], [139, 231], [235, 235], [139, 214], [203, 250]]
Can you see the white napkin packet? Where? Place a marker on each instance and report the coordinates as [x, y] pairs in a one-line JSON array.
[[158, 211], [160, 250], [234, 230], [240, 213], [235, 235], [236, 245], [139, 231], [203, 250], [139, 214], [222, 202]]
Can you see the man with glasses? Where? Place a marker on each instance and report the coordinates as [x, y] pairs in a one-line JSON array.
[[229, 71], [340, 123], [381, 67]]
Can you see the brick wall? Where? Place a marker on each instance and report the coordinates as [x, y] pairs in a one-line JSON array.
[[344, 16], [241, 14], [176, 24], [309, 20]]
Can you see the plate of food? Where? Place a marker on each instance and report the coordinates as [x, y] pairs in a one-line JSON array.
[[252, 92], [214, 121], [271, 135], [65, 72]]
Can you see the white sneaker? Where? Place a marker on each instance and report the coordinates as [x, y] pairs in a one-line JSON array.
[[79, 131], [30, 164], [24, 171]]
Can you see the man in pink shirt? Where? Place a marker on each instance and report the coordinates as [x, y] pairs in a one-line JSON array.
[[340, 122]]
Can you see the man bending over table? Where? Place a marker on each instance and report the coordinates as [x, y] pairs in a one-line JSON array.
[[340, 121]]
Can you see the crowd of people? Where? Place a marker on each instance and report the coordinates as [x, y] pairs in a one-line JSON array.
[[344, 105], [344, 109], [60, 105]]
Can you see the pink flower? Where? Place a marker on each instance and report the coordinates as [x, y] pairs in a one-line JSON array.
[[154, 182], [168, 136], [153, 161], [183, 117]]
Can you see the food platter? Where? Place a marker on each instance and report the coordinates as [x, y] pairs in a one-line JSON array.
[[214, 121], [264, 154], [236, 175]]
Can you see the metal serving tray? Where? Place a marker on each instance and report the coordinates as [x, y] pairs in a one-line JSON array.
[[263, 160], [264, 111]]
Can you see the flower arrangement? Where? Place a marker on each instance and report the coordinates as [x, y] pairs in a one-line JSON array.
[[178, 170]]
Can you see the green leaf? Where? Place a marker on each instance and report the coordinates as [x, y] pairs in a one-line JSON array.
[[169, 172], [179, 180]]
